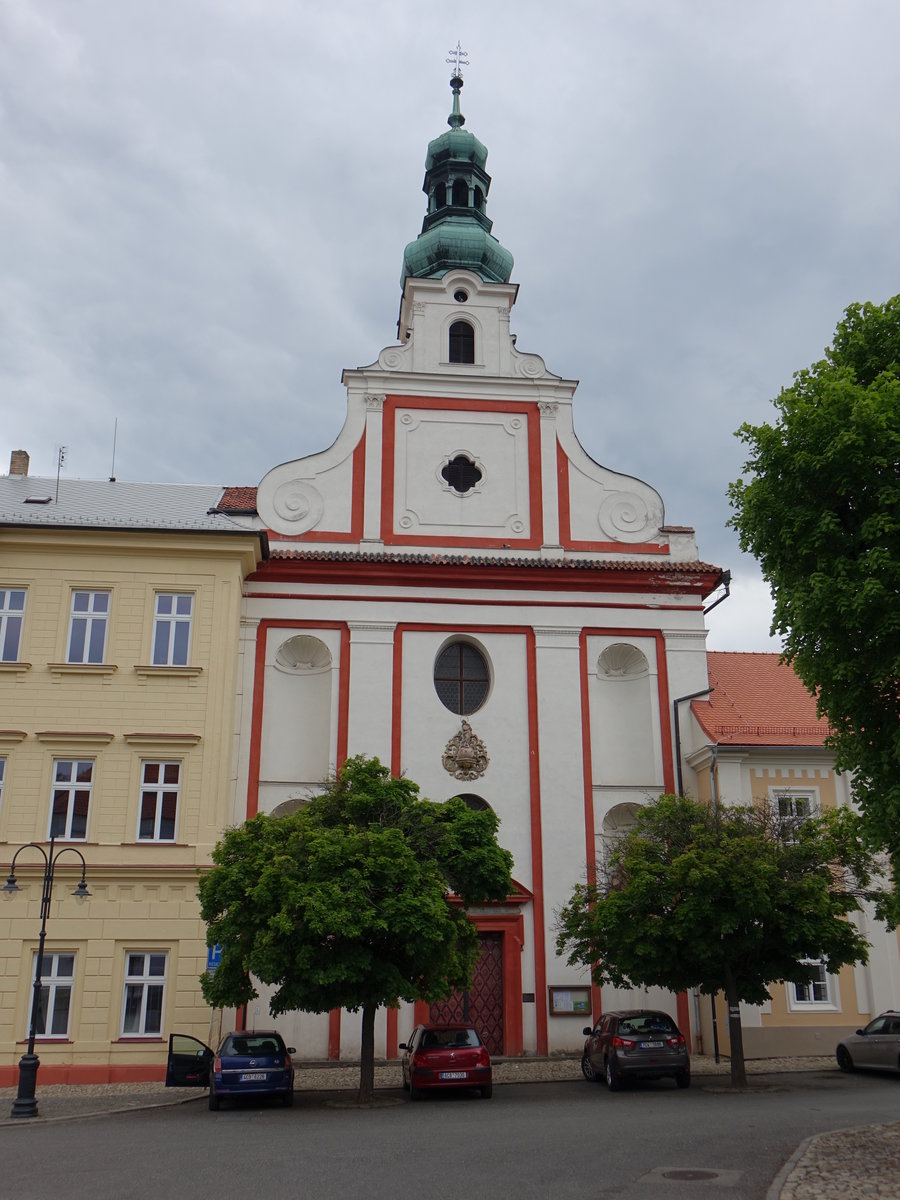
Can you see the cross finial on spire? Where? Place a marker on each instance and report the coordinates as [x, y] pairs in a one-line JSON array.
[[459, 59]]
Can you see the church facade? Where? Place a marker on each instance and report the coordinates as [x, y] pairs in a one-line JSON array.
[[457, 587]]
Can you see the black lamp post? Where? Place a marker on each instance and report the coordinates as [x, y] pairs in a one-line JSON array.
[[25, 1105]]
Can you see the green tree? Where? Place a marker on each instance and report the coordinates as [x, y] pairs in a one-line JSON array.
[[820, 509], [345, 903], [722, 899]]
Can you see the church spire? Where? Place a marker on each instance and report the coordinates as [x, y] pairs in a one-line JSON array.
[[456, 231]]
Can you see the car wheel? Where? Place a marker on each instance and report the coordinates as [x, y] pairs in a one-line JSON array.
[[844, 1061], [683, 1079], [414, 1092], [403, 1082], [214, 1101], [288, 1099], [587, 1069], [612, 1082], [487, 1091]]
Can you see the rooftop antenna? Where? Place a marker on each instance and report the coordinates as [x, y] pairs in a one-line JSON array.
[[112, 471], [60, 460], [458, 60]]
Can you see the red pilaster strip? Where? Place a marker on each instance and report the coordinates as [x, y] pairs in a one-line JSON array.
[[391, 1037], [683, 1009], [537, 848], [665, 714], [562, 476], [334, 1034], [343, 698], [590, 832], [396, 703], [256, 719]]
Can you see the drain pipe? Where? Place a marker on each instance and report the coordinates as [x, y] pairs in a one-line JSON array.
[[725, 581], [675, 703], [714, 796]]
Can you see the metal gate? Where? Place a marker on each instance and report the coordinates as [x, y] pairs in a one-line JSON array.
[[482, 1004]]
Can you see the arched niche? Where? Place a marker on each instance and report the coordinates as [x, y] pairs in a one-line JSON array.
[[624, 717], [296, 744]]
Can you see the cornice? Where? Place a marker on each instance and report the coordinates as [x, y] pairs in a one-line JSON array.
[[162, 739], [82, 736]]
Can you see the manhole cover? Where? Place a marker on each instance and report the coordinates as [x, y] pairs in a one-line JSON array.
[[689, 1176]]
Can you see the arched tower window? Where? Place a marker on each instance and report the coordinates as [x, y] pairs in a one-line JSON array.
[[440, 196], [462, 342], [476, 803], [479, 199], [460, 193]]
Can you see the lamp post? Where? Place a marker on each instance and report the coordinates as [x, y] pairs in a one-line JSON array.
[[25, 1104]]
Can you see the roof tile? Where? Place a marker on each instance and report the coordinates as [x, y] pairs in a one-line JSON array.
[[758, 700]]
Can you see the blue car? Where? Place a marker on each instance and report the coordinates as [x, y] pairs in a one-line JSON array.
[[247, 1063]]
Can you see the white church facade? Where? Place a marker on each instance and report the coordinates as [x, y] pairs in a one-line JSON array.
[[456, 587]]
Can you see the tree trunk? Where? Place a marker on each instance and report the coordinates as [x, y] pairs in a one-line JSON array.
[[735, 1032], [367, 1055]]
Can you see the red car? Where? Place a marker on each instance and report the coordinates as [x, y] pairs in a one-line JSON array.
[[445, 1056]]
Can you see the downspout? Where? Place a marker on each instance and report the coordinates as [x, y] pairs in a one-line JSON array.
[[714, 796], [675, 703], [725, 581]]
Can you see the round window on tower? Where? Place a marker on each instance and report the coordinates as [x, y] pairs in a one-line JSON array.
[[460, 296], [461, 678]]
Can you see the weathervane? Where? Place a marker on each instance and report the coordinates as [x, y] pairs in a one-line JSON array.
[[459, 59]]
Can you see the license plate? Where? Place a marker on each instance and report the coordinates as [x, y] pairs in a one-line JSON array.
[[652, 1045], [253, 1077], [453, 1074]]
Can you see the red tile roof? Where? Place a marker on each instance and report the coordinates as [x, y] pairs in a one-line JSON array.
[[237, 500], [758, 701]]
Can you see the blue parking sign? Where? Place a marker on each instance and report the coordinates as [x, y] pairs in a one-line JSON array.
[[213, 957]]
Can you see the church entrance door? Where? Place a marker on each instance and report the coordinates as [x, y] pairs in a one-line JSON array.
[[482, 1004]]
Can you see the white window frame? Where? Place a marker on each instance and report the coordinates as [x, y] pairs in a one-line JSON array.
[[166, 626], [11, 618], [52, 985], [139, 983], [156, 793], [2, 779], [95, 616], [71, 786], [780, 797], [830, 1002]]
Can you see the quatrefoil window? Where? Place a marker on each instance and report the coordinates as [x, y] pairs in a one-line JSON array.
[[461, 474]]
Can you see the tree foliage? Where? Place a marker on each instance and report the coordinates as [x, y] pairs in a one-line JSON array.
[[722, 899], [821, 512], [344, 903]]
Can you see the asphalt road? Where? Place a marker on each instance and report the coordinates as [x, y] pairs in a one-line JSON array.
[[549, 1141]]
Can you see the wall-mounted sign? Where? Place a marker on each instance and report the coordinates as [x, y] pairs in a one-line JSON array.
[[570, 1001]]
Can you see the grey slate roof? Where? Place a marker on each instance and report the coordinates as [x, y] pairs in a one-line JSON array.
[[101, 504]]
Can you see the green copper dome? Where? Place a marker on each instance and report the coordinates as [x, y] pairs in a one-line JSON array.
[[456, 231]]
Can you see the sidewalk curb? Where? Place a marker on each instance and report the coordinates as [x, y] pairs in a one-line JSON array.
[[781, 1178], [8, 1122]]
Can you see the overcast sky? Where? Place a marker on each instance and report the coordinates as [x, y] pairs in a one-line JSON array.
[[204, 205]]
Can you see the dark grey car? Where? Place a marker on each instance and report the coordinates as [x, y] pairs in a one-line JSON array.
[[876, 1047], [636, 1043]]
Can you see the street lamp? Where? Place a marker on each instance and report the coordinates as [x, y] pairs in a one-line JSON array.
[[25, 1104]]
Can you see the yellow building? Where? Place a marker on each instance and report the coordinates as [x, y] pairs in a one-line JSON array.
[[757, 740], [120, 621]]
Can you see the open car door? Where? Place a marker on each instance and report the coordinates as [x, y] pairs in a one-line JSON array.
[[189, 1061]]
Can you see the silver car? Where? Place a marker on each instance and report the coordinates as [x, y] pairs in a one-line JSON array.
[[876, 1047]]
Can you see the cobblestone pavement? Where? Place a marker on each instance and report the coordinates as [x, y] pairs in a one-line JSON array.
[[850, 1164]]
